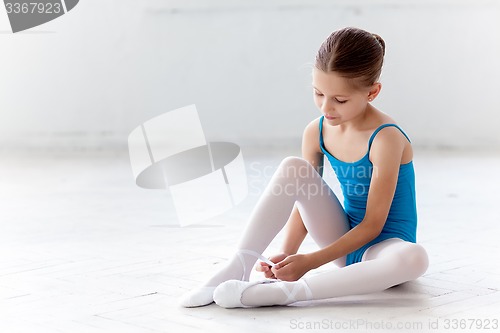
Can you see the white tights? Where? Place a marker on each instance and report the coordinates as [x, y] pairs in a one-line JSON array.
[[385, 264]]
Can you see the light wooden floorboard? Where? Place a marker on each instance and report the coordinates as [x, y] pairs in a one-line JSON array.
[[82, 249]]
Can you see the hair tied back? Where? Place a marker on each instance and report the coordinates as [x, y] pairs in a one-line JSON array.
[[380, 41]]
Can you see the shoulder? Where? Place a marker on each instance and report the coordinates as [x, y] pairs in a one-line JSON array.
[[389, 134], [312, 126], [310, 136], [389, 143], [311, 131], [388, 137]]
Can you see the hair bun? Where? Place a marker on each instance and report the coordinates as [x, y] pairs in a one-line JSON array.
[[380, 41], [354, 54]]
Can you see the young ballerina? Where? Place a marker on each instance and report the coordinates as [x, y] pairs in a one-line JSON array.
[[372, 239]]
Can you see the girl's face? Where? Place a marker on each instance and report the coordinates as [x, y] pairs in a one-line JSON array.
[[337, 100]]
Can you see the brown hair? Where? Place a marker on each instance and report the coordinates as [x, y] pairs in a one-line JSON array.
[[353, 53]]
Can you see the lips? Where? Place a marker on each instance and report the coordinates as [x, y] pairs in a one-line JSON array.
[[330, 117]]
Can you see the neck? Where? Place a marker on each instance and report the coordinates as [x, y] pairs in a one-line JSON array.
[[358, 122]]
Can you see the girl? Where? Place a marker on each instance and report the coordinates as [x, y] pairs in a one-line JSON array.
[[372, 238]]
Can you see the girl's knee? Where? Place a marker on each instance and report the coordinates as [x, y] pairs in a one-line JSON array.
[[295, 166], [413, 258], [293, 161]]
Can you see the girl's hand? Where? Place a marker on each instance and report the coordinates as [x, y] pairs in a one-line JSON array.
[[292, 267], [266, 269]]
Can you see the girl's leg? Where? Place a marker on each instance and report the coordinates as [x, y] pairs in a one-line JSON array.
[[385, 264], [295, 181]]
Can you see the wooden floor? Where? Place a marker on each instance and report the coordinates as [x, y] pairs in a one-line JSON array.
[[82, 249]]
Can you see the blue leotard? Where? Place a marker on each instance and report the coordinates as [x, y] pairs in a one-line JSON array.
[[355, 180]]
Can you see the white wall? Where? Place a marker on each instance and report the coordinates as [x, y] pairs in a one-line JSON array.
[[88, 78]]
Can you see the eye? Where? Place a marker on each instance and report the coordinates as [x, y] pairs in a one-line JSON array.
[[317, 93], [341, 102]]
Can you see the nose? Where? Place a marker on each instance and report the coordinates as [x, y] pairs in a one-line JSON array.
[[326, 106]]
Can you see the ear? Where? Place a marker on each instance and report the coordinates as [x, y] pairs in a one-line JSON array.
[[374, 91]]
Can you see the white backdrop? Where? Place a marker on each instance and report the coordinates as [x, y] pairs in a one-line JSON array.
[[87, 79]]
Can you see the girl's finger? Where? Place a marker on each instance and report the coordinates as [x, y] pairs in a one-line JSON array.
[[282, 263], [261, 267]]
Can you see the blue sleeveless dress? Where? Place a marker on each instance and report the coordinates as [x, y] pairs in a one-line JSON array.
[[355, 180]]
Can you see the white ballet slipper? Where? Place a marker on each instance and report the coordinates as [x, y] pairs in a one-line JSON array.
[[197, 297], [228, 294], [205, 295]]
